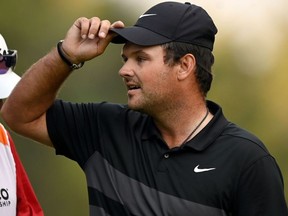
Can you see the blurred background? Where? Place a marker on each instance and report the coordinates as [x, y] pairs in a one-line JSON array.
[[250, 77]]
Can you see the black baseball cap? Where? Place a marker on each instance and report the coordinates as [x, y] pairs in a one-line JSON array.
[[167, 22]]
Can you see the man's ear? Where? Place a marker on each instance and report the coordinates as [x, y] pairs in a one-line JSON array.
[[187, 66]]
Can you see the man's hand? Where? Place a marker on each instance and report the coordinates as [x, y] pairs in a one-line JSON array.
[[88, 38]]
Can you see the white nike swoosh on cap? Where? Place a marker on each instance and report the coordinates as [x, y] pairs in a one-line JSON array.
[[199, 170], [146, 15]]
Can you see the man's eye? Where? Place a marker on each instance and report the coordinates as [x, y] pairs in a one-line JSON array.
[[140, 59]]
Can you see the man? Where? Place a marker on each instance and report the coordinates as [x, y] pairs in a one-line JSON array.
[[169, 151], [16, 193]]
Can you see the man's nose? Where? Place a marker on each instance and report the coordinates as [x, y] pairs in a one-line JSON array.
[[126, 70]]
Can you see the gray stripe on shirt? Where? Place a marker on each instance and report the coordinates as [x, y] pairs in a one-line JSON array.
[[137, 197]]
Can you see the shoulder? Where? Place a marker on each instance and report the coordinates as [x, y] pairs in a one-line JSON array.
[[244, 146], [243, 137], [232, 134]]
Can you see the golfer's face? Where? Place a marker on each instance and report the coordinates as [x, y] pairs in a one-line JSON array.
[[148, 79]]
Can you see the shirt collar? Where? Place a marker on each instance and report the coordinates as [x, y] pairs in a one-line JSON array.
[[211, 131], [204, 138]]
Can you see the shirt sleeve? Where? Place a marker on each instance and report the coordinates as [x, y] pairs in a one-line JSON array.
[[27, 202], [78, 130], [73, 129], [260, 190]]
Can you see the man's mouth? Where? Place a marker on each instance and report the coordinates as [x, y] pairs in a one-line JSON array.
[[133, 87]]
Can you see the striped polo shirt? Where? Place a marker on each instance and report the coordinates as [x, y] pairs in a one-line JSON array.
[[223, 170]]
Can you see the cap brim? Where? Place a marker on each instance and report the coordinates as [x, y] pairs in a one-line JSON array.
[[139, 36], [7, 83]]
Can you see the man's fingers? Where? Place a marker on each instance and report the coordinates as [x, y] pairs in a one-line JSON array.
[[83, 24], [88, 38], [118, 24], [94, 27], [104, 28]]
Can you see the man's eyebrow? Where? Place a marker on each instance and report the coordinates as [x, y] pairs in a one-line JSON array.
[[136, 52]]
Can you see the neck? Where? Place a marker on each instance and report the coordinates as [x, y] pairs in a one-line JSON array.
[[178, 129], [196, 128]]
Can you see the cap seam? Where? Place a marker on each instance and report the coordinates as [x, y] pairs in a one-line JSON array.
[[180, 20]]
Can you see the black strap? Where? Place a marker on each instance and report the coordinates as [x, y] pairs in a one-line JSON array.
[[64, 58]]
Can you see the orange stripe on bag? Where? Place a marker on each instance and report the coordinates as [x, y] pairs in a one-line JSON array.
[[3, 136]]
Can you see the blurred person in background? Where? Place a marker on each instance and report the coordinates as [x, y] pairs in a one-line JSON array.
[[17, 196], [169, 151]]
